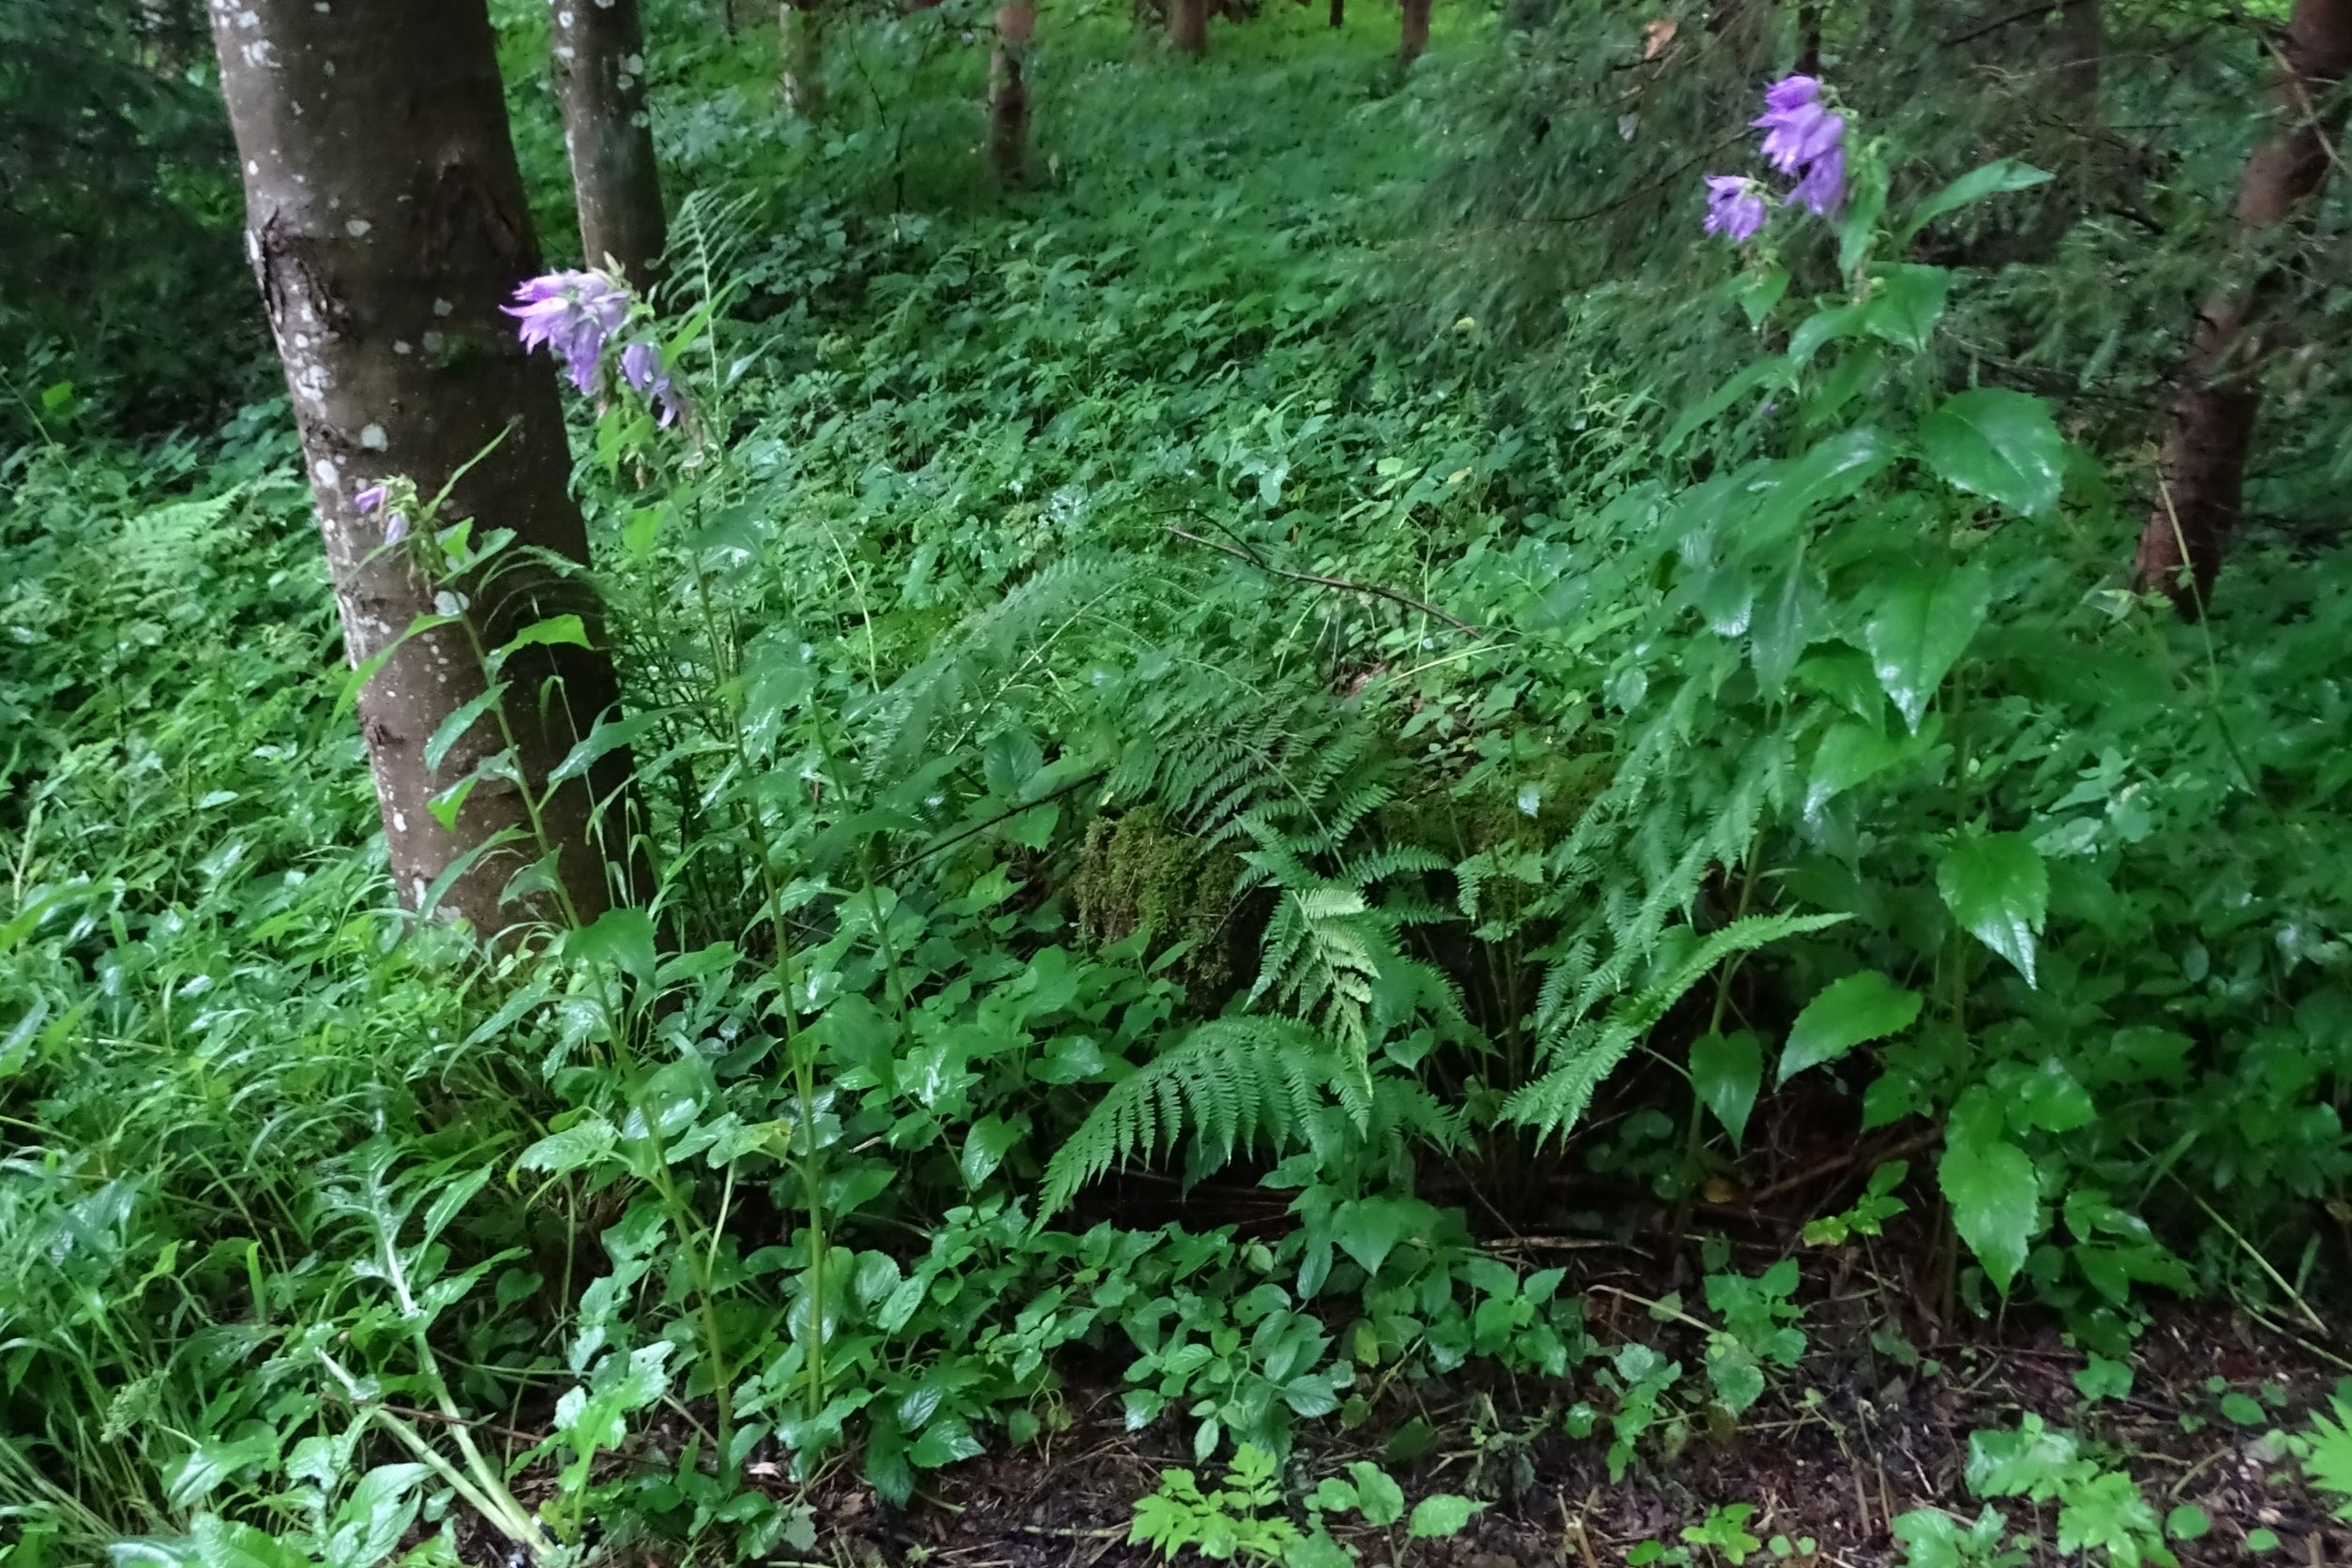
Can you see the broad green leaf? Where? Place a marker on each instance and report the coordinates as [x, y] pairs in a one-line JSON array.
[[1996, 1203], [1990, 179], [1997, 444], [2051, 1097], [946, 1440], [1831, 471], [1822, 327], [1906, 303], [1366, 1229], [1784, 622], [1996, 886], [555, 631], [1725, 1071], [1865, 1005], [986, 1145], [1440, 1513], [1850, 753], [1858, 228], [607, 736], [1922, 625], [621, 937], [1378, 1498], [452, 728], [1764, 373]]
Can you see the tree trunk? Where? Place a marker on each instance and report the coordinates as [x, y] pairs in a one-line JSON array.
[[1008, 95], [1416, 33], [385, 222], [2082, 47], [600, 78], [803, 37], [1338, 13], [1188, 26], [2201, 468]]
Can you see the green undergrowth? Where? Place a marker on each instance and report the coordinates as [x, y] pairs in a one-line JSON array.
[[1124, 694]]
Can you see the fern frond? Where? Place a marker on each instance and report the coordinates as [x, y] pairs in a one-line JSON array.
[[1234, 1084]]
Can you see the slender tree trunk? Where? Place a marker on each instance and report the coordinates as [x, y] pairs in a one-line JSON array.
[[387, 223], [1008, 95], [1339, 13], [2201, 468], [803, 36], [600, 78], [1188, 26], [1415, 37], [2082, 47]]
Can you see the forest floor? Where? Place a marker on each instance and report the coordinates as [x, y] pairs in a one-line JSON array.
[[1838, 1451]]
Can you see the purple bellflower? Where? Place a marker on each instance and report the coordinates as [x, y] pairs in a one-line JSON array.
[[1802, 137], [1823, 188], [1734, 208], [573, 314], [371, 501], [640, 367]]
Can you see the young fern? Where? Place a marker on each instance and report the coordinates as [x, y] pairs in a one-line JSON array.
[[1590, 1050], [1234, 1084]]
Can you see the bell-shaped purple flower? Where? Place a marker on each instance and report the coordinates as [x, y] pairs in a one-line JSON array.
[[572, 314], [1792, 140], [640, 367], [1735, 207], [1823, 188], [1791, 92]]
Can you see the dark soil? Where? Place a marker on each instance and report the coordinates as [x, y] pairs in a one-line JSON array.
[[1834, 1452]]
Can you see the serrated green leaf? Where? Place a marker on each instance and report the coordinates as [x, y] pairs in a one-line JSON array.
[[1905, 304], [1921, 625], [1863, 1006], [1996, 1203], [1997, 444], [1996, 888]]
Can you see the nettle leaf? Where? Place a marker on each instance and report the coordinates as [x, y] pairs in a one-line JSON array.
[[1998, 445], [1920, 629], [1996, 885], [1996, 1202], [1725, 1072], [1863, 1006]]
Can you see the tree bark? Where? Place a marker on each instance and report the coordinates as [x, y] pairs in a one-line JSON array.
[[385, 222], [1338, 13], [2082, 47], [2201, 468], [802, 33], [1008, 95], [600, 79], [1188, 26], [1415, 37]]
